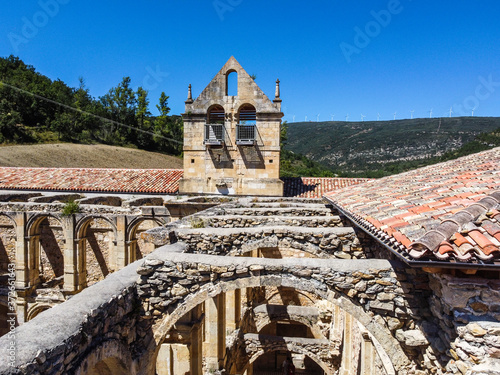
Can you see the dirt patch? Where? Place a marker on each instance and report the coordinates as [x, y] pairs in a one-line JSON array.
[[68, 155]]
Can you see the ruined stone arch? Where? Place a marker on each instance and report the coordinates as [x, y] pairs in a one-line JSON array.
[[36, 309], [131, 231], [310, 299], [388, 345], [46, 246], [137, 221], [82, 224], [110, 358], [273, 243], [34, 221]]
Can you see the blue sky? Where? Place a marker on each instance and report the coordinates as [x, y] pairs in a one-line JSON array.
[[332, 57]]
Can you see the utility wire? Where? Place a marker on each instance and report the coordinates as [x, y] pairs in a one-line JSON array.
[[87, 113]]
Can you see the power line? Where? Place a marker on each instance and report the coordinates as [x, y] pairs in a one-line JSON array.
[[87, 113]]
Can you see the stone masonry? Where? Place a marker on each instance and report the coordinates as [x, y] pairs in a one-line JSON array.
[[254, 289]]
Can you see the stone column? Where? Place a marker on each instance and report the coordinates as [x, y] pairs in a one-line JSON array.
[[23, 271], [70, 255], [368, 355], [233, 311], [122, 256], [173, 359], [210, 347], [196, 342], [81, 263], [347, 365], [27, 264], [337, 325], [34, 259], [230, 313], [221, 328]]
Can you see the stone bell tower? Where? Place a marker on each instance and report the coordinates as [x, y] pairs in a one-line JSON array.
[[232, 137]]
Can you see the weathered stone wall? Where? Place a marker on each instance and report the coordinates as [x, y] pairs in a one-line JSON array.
[[320, 210], [242, 221], [99, 250], [51, 249], [468, 310], [7, 242], [338, 242]]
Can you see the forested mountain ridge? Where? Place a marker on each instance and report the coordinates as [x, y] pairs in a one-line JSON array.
[[378, 148]]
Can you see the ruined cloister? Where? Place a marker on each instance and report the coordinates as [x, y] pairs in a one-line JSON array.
[[57, 256], [229, 290]]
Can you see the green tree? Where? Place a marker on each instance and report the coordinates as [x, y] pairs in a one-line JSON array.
[[168, 128], [84, 125], [143, 118], [120, 105], [283, 134]]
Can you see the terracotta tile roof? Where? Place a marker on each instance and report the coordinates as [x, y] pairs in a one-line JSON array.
[[445, 212], [154, 181], [315, 187]]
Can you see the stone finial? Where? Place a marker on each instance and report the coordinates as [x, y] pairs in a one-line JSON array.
[[277, 92], [190, 95]]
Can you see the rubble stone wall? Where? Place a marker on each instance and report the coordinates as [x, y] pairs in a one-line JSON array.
[[468, 311], [137, 305], [338, 241]]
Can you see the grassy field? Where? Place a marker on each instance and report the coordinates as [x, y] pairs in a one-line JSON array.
[[68, 155]]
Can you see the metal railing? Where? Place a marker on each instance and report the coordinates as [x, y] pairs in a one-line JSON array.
[[214, 134], [245, 134]]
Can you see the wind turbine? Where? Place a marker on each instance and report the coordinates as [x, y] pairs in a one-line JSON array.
[[317, 118], [473, 109], [305, 119], [362, 118], [451, 111], [378, 116], [347, 117], [412, 113], [430, 116], [395, 113], [293, 117], [332, 116]]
